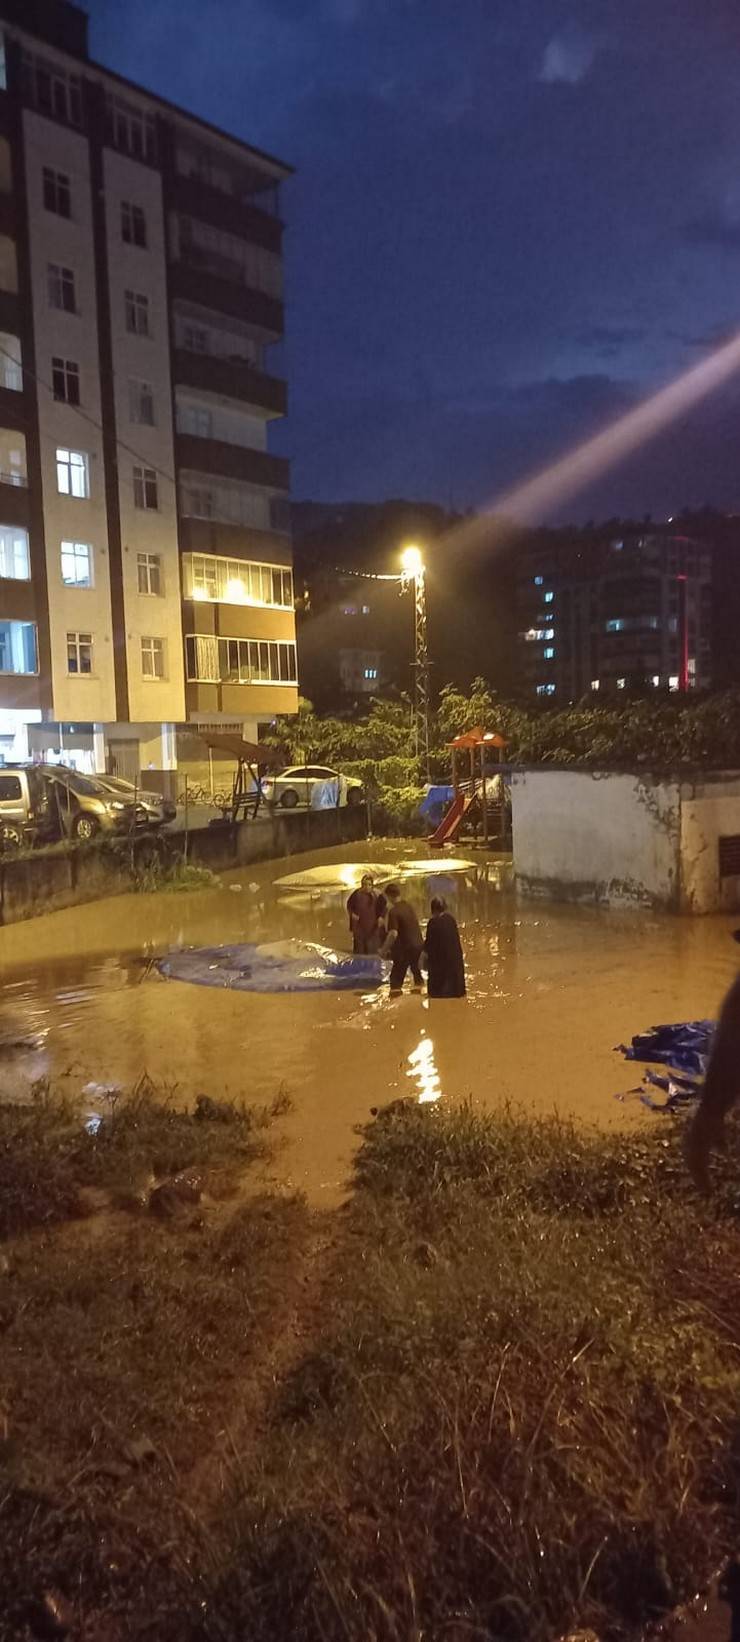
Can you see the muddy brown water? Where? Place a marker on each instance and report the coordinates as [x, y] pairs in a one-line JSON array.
[[552, 989]]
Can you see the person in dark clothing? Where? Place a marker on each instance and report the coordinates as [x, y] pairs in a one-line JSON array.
[[366, 914], [405, 941], [445, 962], [721, 1088]]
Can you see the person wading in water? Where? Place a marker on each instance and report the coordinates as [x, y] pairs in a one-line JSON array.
[[445, 962], [366, 914], [405, 941]]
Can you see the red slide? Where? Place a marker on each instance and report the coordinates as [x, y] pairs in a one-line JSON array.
[[450, 824]]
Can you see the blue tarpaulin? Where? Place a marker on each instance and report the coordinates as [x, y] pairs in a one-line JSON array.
[[684, 1048], [435, 802], [283, 966]]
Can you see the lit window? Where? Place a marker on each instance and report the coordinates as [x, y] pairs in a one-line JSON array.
[[532, 633], [656, 680], [365, 609], [141, 402], [596, 684], [65, 380], [673, 681], [137, 313], [18, 647], [15, 563], [149, 572], [545, 689], [11, 367], [538, 580], [152, 658], [73, 473], [621, 682], [77, 564], [133, 224], [548, 597], [57, 192], [79, 652], [616, 625], [3, 65], [145, 489], [61, 288], [350, 610], [549, 652]]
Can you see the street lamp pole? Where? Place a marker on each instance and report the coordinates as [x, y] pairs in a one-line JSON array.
[[414, 572]]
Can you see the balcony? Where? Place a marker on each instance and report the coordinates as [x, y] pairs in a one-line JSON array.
[[190, 283], [221, 210], [230, 378], [229, 540], [255, 467]]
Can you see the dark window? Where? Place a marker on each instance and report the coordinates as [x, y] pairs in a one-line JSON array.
[[61, 283], [145, 488], [133, 224], [729, 856], [10, 787], [57, 192], [65, 377]]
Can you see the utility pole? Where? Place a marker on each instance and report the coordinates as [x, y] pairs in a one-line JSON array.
[[414, 572]]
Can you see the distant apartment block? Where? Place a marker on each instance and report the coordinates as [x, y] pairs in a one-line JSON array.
[[602, 616], [145, 553]]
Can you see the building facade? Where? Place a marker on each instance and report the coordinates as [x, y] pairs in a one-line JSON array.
[[604, 615], [145, 553]]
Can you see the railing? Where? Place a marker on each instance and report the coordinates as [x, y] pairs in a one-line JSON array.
[[20, 480]]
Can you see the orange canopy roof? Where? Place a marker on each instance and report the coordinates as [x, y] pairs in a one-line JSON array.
[[478, 738]]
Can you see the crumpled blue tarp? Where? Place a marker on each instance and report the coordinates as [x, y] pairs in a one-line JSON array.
[[283, 966], [435, 801], [684, 1048]]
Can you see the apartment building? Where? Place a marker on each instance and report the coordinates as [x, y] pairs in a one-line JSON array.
[[598, 614], [145, 553]]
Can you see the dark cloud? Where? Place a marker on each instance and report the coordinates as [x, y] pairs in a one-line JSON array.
[[489, 202]]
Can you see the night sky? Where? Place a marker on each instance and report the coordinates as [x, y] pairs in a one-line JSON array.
[[511, 219]]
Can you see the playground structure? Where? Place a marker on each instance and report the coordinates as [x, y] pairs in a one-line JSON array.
[[472, 799]]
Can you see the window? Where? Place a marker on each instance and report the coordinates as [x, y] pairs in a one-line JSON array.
[[538, 580], [65, 378], [545, 689], [215, 250], [11, 369], [152, 658], [130, 129], [616, 625], [371, 672], [549, 652], [621, 683], [673, 681], [77, 564], [145, 489], [548, 597], [595, 684], [149, 571], [141, 403], [196, 420], [3, 65], [61, 285], [79, 652], [137, 313], [57, 192], [73, 473], [133, 224], [15, 562], [240, 661], [51, 90], [195, 339], [656, 680], [10, 788], [237, 581], [18, 647], [365, 609]]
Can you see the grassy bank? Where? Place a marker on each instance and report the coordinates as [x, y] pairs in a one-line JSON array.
[[500, 1404]]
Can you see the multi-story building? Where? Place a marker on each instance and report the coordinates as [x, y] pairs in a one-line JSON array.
[[608, 614], [145, 556]]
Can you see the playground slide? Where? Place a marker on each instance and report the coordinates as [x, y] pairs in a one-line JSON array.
[[449, 826]]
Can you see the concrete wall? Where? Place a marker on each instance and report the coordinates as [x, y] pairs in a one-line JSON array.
[[591, 836], [710, 810], [625, 837], [51, 879]]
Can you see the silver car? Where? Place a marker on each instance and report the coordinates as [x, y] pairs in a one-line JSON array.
[[297, 785], [157, 810]]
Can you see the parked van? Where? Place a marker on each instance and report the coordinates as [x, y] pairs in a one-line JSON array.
[[46, 801], [25, 809]]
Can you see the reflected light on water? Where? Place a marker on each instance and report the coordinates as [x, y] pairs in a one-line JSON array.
[[423, 1071]]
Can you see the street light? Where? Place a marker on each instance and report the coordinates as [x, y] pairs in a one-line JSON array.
[[412, 566]]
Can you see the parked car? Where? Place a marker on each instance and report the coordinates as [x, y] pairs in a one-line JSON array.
[[25, 810], [158, 810], [296, 785], [45, 801]]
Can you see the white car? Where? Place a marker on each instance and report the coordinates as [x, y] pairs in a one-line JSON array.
[[297, 785]]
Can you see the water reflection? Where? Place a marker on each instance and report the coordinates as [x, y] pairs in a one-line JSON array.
[[422, 1069]]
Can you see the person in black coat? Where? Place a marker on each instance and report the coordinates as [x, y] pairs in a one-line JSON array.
[[445, 962]]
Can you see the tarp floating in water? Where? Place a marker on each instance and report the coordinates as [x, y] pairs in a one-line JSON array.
[[684, 1048], [283, 966]]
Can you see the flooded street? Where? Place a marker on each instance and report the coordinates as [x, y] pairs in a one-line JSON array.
[[551, 991]]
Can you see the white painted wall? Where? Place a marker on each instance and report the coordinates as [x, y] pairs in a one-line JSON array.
[[73, 336], [147, 358], [710, 810], [587, 835]]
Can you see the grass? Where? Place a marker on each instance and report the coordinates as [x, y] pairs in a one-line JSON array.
[[171, 876], [511, 1412]]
